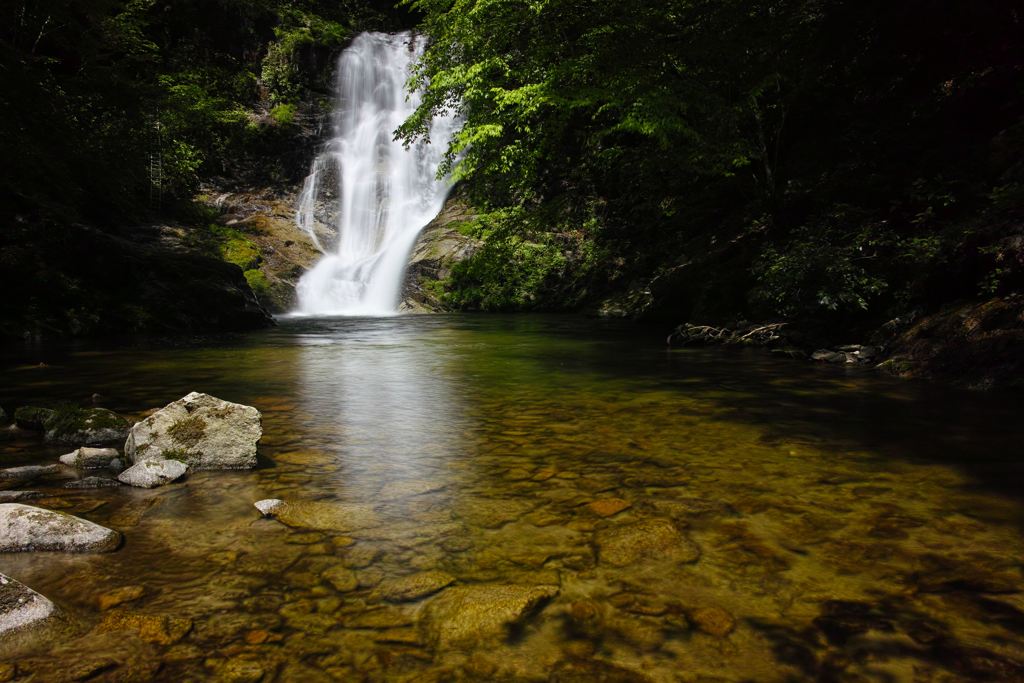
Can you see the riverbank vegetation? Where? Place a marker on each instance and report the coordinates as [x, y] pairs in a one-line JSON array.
[[841, 162]]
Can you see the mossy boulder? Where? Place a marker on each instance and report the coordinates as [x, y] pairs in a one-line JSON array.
[[199, 430], [33, 418], [85, 426]]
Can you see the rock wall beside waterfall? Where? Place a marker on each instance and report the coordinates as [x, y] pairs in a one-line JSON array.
[[439, 247], [266, 219]]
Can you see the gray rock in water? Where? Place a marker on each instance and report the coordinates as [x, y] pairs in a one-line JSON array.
[[26, 472], [24, 527], [202, 431], [88, 426], [14, 496], [92, 483], [20, 606], [465, 615], [116, 465], [151, 473], [86, 458]]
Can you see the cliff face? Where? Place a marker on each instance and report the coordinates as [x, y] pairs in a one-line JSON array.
[[439, 247], [266, 220]]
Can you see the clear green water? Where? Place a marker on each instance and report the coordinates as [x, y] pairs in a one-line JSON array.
[[849, 527]]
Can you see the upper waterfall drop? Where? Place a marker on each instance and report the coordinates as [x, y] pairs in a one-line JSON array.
[[383, 193]]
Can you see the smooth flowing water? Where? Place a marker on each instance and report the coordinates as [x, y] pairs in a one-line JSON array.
[[686, 515], [377, 193]]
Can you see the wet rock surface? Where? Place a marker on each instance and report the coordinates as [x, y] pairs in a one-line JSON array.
[[27, 528], [149, 474], [86, 458], [204, 432], [20, 606], [654, 539]]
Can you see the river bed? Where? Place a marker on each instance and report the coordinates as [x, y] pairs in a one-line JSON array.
[[598, 508]]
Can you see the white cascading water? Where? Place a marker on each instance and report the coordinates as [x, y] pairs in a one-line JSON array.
[[385, 193]]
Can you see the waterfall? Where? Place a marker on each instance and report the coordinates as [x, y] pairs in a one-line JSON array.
[[375, 193]]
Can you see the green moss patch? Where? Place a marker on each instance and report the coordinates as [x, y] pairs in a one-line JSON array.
[[188, 431]]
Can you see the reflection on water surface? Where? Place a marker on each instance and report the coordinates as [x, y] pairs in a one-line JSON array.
[[535, 498]]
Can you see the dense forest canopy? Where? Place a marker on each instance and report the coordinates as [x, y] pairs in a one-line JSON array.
[[841, 144], [837, 160]]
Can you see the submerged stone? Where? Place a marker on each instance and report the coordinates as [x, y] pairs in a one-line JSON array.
[[465, 615], [713, 620], [652, 539], [120, 596], [26, 528], [608, 507], [92, 483], [203, 431], [159, 629], [15, 496], [86, 458], [151, 473], [20, 606], [26, 472], [412, 587], [319, 515]]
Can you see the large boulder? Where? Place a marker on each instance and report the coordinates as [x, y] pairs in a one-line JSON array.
[[24, 527], [200, 430], [152, 473], [465, 615], [20, 606]]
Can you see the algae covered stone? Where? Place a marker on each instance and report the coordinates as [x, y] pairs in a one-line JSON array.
[[651, 539], [85, 426], [465, 615], [20, 606], [204, 432], [320, 515], [25, 528], [412, 587]]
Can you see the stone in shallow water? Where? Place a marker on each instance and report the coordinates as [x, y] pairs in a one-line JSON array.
[[207, 433], [26, 472], [86, 458], [464, 615], [159, 629], [24, 527], [607, 507], [14, 496], [119, 596], [92, 483], [320, 515], [343, 580], [88, 426], [20, 606], [151, 473], [652, 539], [412, 587], [713, 620]]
